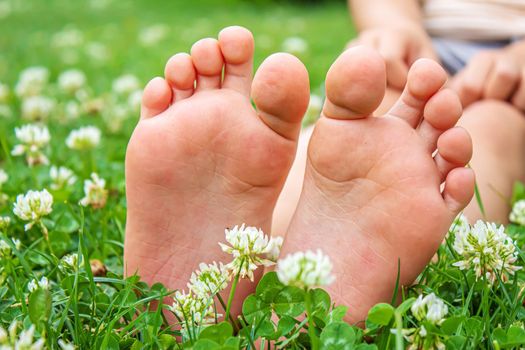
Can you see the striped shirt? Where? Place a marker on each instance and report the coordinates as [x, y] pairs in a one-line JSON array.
[[475, 19]]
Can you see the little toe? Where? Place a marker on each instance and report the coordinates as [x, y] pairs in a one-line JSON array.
[[156, 98], [425, 78], [237, 48], [355, 84], [459, 189], [441, 112], [281, 91], [208, 61], [180, 74], [454, 150]]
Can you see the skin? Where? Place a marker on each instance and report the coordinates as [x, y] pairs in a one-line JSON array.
[[491, 88], [372, 190], [202, 159], [493, 81]]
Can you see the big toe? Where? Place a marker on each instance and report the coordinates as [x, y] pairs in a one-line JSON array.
[[281, 92], [237, 47], [355, 84]]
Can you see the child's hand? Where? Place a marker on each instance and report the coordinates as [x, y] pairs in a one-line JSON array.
[[496, 74], [400, 47]]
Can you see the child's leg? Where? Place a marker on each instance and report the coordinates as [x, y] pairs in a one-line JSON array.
[[498, 135]]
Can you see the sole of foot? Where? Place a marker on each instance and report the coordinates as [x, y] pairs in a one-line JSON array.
[[202, 158], [381, 190]]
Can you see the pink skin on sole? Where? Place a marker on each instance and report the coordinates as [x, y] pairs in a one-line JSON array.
[[372, 190], [203, 159]]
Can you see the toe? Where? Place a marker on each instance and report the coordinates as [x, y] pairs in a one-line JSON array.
[[208, 62], [441, 112], [156, 98], [454, 150], [459, 189], [425, 78], [281, 91], [180, 74], [355, 84], [237, 47]]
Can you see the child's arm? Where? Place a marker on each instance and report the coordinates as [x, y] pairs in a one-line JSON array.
[[395, 29], [494, 74]]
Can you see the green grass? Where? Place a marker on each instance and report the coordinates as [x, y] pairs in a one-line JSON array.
[[107, 311], [26, 35]]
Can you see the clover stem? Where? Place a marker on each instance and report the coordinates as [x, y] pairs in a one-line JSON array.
[[221, 301], [311, 327], [232, 290], [45, 233], [399, 328]]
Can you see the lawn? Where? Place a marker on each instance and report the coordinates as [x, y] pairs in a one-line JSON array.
[[71, 73]]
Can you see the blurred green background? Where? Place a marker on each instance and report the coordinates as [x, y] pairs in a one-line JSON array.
[[107, 38]]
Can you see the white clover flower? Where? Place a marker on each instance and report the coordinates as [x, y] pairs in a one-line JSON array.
[[71, 81], [192, 309], [35, 284], [62, 177], [5, 250], [65, 345], [97, 51], [135, 100], [37, 108], [295, 45], [100, 4], [429, 308], [125, 84], [10, 341], [33, 206], [85, 138], [32, 81], [517, 215], [3, 177], [68, 37], [4, 93], [209, 280], [93, 105], [17, 243], [82, 95], [71, 110], [25, 341], [70, 262], [33, 139], [150, 36], [305, 270], [95, 193], [5, 221], [417, 338], [32, 286], [488, 250], [115, 116], [460, 224], [273, 249], [5, 10], [248, 245]]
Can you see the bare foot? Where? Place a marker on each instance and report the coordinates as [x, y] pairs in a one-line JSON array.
[[372, 191], [202, 158]]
